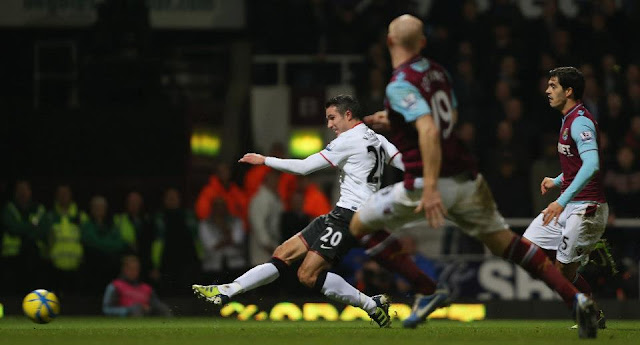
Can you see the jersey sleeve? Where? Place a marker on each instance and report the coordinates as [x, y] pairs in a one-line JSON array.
[[305, 166], [583, 132], [394, 157], [336, 152], [407, 100]]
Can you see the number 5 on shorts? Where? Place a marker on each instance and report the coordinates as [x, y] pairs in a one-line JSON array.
[[564, 244]]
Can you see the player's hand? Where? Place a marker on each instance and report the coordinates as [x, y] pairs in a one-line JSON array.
[[252, 158], [552, 212], [431, 204], [378, 121], [546, 185]]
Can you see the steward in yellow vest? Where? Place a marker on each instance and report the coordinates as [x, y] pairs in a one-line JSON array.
[[65, 236], [23, 249]]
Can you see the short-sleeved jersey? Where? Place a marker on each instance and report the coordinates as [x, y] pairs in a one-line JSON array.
[[418, 87], [360, 154], [579, 133]]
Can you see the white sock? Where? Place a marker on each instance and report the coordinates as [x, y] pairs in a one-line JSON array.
[[251, 279], [337, 289]]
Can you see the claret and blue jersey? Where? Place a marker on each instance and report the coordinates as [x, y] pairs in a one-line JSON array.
[[581, 179], [418, 87]]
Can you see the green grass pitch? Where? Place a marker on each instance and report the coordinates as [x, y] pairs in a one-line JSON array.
[[207, 331]]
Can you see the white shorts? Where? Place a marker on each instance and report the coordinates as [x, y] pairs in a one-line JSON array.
[[579, 228], [469, 204]]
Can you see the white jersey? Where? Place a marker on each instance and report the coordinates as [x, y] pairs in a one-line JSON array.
[[359, 153]]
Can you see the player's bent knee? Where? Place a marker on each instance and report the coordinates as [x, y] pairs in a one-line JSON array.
[[306, 277], [281, 253]]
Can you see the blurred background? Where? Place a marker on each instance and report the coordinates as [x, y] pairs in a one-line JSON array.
[[122, 122]]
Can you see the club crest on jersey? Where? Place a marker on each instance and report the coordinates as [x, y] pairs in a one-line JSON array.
[[586, 136], [565, 134]]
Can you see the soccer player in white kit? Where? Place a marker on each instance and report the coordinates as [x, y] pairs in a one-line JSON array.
[[360, 154]]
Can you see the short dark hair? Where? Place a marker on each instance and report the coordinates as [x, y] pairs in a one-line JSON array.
[[569, 77], [344, 103]]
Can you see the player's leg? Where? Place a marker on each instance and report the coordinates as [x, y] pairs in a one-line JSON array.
[[314, 274], [284, 255], [549, 237], [519, 250], [585, 224], [391, 208], [477, 214], [508, 245], [332, 244], [388, 252]]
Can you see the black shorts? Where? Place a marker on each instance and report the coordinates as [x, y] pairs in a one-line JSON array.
[[329, 236]]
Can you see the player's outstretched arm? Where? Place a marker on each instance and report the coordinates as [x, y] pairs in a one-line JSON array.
[[431, 153], [305, 166], [252, 158], [378, 121]]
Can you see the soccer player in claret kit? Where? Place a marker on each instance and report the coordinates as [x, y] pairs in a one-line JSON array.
[[359, 153], [440, 178], [570, 227]]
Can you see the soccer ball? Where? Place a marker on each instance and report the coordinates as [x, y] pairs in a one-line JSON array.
[[41, 306]]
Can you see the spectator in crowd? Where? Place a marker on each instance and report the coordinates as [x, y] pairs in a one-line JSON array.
[[294, 219], [222, 237], [562, 49], [175, 252], [591, 97], [522, 129], [505, 146], [373, 97], [264, 217], [469, 92], [128, 296], [255, 176], [612, 79], [509, 187], [633, 94], [615, 122], [135, 229], [315, 201], [102, 242], [547, 165], [623, 184], [63, 224], [467, 134], [632, 138], [22, 242], [221, 185]]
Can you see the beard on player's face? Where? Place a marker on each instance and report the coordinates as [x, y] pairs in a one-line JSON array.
[[557, 98]]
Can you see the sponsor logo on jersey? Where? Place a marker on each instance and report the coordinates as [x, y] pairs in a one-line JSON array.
[[565, 150], [565, 134], [586, 136], [329, 147]]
